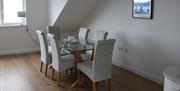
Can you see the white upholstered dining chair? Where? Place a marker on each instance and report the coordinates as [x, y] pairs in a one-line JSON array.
[[99, 35], [54, 30], [45, 52], [83, 34], [59, 63], [100, 68]]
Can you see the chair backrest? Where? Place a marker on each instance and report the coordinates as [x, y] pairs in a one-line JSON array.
[[56, 58], [100, 35], [101, 69], [45, 56], [54, 30], [83, 34]]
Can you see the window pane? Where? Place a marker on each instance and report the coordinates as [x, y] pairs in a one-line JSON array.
[[11, 7]]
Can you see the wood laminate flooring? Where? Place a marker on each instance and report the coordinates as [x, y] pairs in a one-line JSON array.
[[21, 73]]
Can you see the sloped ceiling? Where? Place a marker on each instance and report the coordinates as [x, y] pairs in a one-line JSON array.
[[74, 13], [55, 7]]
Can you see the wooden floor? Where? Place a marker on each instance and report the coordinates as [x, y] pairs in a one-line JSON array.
[[21, 73]]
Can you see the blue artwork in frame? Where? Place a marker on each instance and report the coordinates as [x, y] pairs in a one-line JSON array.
[[142, 9]]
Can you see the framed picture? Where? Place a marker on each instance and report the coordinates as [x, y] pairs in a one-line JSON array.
[[142, 9]]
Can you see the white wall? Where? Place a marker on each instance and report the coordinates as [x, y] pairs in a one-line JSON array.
[[153, 44], [54, 9], [17, 39], [73, 13]]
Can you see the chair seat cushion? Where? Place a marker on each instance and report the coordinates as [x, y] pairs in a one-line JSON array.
[[89, 52], [68, 61], [86, 57], [86, 68]]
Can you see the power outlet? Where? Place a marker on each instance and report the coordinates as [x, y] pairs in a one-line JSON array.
[[121, 49]]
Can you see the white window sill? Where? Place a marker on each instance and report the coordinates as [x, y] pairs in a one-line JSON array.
[[12, 27], [9, 26]]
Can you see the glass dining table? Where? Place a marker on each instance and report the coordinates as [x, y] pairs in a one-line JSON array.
[[70, 48], [76, 50]]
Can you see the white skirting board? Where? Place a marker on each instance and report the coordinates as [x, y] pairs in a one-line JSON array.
[[9, 52], [139, 72]]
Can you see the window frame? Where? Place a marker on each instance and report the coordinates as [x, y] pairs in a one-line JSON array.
[[2, 24]]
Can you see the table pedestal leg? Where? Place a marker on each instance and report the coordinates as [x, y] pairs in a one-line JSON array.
[[80, 78]]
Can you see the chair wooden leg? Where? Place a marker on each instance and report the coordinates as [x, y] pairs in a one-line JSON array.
[[46, 70], [94, 86], [78, 76], [52, 75], [109, 84], [41, 66], [58, 81]]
